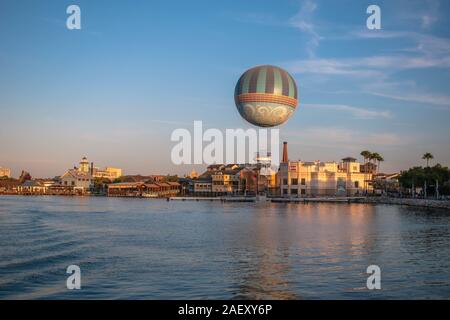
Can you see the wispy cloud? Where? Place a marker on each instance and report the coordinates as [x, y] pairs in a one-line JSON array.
[[303, 21], [374, 66], [376, 73], [338, 137], [439, 100], [333, 67], [428, 14], [357, 112]]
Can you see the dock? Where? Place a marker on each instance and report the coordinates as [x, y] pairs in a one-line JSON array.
[[274, 200], [319, 200], [221, 199]]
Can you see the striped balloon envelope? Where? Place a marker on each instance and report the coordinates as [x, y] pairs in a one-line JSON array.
[[266, 96]]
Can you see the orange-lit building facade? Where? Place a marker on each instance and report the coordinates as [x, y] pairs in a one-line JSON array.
[[316, 179]]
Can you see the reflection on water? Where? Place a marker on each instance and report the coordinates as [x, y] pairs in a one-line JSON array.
[[152, 249]]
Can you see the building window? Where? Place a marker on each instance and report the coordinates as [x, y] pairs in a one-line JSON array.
[[356, 184], [303, 181], [73, 183], [294, 191], [285, 181], [303, 191], [285, 191], [294, 181]]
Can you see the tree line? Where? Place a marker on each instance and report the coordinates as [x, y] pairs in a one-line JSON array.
[[372, 157], [433, 180]]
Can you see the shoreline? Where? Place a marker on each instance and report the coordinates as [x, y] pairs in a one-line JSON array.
[[422, 203]]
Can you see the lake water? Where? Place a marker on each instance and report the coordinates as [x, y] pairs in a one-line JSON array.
[[154, 249]]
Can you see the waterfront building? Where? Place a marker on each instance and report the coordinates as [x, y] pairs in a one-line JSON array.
[[384, 183], [142, 189], [249, 179], [81, 179], [218, 179], [77, 180], [203, 184], [316, 178], [110, 173], [9, 186], [5, 172], [32, 187], [226, 181], [232, 179], [186, 186]]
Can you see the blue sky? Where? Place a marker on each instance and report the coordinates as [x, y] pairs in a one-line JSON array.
[[116, 89]]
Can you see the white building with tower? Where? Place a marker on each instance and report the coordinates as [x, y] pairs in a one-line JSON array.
[[82, 177], [79, 179], [317, 178]]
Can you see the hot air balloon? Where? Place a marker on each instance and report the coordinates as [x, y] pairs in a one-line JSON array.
[[266, 96]]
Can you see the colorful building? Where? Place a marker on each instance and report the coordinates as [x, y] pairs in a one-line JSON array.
[[315, 179], [226, 180], [234, 179], [110, 173], [143, 189], [5, 172], [77, 180], [32, 187]]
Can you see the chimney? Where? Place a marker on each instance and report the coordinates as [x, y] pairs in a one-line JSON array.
[[285, 153], [92, 169]]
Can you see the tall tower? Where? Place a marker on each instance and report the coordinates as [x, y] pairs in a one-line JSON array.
[[84, 165], [285, 153]]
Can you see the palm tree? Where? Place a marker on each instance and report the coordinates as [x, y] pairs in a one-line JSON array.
[[366, 155], [374, 156], [428, 156], [379, 160]]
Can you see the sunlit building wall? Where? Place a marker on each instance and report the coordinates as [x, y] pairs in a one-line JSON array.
[[312, 179], [5, 172]]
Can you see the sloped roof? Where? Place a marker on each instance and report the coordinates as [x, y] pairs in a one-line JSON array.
[[204, 176], [31, 183], [152, 185], [77, 174], [125, 185], [162, 184]]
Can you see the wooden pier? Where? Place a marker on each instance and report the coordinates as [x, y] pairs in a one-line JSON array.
[[274, 200], [221, 199], [319, 200]]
